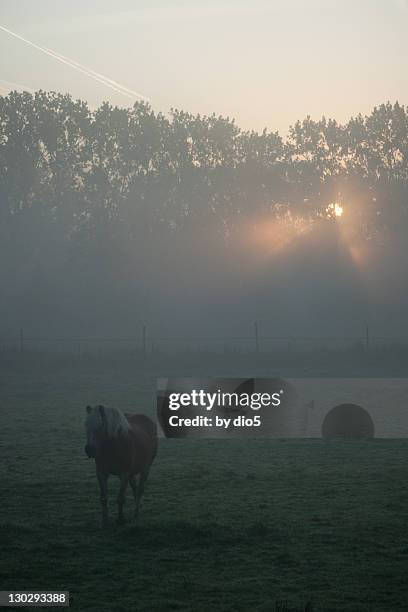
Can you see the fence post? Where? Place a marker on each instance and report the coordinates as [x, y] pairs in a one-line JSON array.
[[256, 336], [21, 340], [144, 340]]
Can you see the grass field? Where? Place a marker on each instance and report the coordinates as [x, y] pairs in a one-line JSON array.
[[225, 525]]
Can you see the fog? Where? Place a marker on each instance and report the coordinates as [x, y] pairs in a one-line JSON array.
[[116, 218]]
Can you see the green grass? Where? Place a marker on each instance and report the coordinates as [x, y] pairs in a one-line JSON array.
[[225, 525]]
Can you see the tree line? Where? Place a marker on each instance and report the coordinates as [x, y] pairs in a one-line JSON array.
[[85, 170], [105, 193]]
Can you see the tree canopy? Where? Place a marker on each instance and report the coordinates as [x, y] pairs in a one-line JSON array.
[[108, 193]]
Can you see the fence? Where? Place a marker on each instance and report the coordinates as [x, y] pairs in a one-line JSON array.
[[145, 343]]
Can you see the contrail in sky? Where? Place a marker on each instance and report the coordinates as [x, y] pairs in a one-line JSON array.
[[96, 75], [125, 91], [9, 85]]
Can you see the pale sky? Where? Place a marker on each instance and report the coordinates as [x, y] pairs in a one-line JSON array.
[[265, 63]]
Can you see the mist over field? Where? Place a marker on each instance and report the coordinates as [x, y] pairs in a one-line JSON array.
[[116, 217], [157, 239]]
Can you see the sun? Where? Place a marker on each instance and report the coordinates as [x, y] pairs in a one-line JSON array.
[[334, 210]]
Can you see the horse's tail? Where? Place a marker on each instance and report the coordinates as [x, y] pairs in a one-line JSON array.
[[148, 425], [152, 429]]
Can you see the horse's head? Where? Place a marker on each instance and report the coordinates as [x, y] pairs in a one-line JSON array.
[[96, 429], [103, 423]]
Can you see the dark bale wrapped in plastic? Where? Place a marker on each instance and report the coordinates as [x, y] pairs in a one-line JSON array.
[[348, 421]]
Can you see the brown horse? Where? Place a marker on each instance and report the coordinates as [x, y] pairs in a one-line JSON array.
[[122, 445]]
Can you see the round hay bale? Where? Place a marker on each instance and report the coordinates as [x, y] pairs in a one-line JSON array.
[[348, 421], [163, 415], [280, 421], [277, 421]]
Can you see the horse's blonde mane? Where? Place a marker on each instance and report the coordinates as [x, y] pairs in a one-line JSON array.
[[114, 420]]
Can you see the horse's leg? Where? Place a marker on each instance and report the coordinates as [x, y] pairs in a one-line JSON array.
[[140, 489], [133, 485], [124, 479], [103, 486]]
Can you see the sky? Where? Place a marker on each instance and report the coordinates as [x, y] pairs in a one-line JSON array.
[[263, 63]]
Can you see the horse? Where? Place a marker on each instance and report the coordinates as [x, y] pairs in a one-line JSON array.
[[124, 446]]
